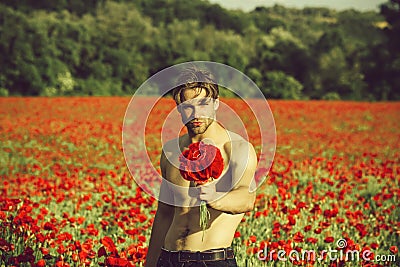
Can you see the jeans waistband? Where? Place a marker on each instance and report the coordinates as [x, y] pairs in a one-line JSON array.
[[218, 254]]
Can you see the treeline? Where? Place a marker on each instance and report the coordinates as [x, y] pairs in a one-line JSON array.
[[102, 47]]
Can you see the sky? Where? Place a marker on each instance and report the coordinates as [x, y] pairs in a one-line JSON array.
[[248, 5]]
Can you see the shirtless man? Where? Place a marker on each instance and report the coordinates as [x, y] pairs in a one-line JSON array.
[[176, 238]]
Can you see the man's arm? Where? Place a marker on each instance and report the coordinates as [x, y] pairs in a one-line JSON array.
[[242, 196], [161, 224], [162, 221]]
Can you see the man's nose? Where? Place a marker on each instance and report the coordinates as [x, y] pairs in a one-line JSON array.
[[196, 112]]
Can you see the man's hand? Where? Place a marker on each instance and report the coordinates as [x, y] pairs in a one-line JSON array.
[[208, 193]]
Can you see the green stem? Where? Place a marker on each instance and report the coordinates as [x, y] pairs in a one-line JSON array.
[[204, 217]]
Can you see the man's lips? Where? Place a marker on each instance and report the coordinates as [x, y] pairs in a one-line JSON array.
[[196, 123]]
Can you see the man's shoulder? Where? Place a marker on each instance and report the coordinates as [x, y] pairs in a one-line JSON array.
[[173, 146], [239, 149], [237, 143]]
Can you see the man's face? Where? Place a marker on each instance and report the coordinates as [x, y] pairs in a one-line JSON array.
[[197, 110]]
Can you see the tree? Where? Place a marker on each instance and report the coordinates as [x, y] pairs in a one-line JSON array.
[[280, 85], [74, 6], [264, 21], [28, 60], [281, 51], [391, 11], [111, 47], [333, 73]]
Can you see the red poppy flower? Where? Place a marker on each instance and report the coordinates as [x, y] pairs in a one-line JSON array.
[[101, 252], [253, 238], [329, 239], [307, 228], [318, 230], [311, 240], [200, 162], [374, 245], [49, 226], [298, 237], [41, 263], [292, 220], [394, 249], [44, 251], [116, 262], [109, 244]]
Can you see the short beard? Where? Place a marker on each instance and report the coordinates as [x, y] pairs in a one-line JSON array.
[[202, 129]]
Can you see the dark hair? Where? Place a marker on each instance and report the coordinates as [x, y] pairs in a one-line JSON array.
[[194, 78]]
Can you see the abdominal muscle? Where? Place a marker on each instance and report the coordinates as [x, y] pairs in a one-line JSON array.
[[186, 234]]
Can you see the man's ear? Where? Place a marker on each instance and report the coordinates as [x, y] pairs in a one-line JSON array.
[[216, 103]]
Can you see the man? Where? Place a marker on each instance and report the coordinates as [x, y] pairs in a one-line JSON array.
[[176, 238]]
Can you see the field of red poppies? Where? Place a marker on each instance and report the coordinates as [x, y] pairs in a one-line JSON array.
[[68, 199]]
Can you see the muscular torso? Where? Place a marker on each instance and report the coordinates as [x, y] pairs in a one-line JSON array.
[[185, 232]]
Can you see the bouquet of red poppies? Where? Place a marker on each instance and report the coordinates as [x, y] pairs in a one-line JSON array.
[[201, 163]]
